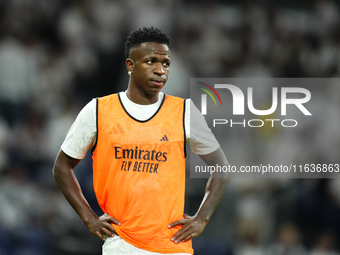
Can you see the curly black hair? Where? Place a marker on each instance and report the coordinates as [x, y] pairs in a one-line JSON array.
[[139, 36]]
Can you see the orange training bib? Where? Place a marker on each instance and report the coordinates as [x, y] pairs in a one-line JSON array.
[[139, 172]]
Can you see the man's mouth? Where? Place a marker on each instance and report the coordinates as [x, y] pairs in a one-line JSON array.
[[158, 82]]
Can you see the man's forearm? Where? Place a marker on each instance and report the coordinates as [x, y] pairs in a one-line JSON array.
[[67, 182], [193, 226], [216, 185], [213, 194], [69, 185]]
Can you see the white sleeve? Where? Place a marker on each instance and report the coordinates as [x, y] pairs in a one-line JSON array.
[[82, 134], [198, 135]]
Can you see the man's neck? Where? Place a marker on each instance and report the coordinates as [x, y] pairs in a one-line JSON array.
[[140, 97]]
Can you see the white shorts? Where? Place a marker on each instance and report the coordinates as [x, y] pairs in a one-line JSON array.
[[117, 246]]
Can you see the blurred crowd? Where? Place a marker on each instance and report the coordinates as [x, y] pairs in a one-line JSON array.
[[56, 55]]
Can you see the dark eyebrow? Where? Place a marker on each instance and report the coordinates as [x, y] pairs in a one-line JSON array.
[[157, 59]]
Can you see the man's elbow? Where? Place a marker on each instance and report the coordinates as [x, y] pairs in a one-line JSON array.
[[56, 170]]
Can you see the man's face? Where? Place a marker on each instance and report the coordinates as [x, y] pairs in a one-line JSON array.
[[149, 64]]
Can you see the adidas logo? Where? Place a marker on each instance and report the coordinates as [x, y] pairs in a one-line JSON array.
[[117, 129], [165, 139]]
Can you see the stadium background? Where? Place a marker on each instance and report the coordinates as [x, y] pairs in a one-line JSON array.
[[57, 55]]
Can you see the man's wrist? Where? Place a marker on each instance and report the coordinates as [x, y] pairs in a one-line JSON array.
[[87, 219], [203, 218]]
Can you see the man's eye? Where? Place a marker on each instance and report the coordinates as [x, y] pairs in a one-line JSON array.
[[150, 62], [167, 64]]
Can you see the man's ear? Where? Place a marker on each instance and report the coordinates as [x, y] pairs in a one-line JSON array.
[[129, 64]]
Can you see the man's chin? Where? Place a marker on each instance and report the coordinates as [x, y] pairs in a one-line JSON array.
[[156, 90]]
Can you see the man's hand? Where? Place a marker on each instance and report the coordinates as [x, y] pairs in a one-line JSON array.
[[101, 226], [192, 227]]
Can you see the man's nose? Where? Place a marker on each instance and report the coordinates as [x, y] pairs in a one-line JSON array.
[[159, 69]]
